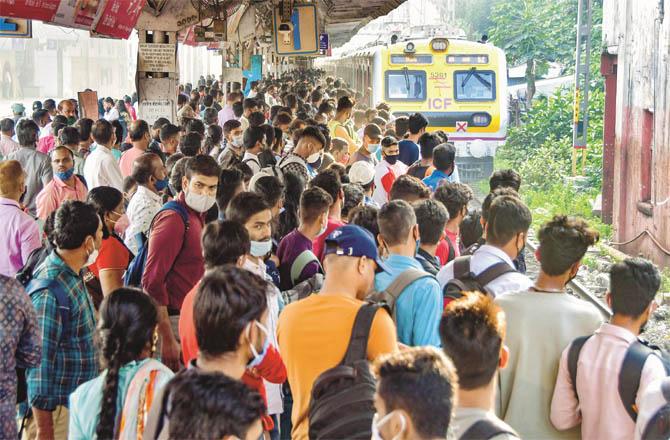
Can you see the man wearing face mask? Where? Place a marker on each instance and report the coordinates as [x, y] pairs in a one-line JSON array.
[[419, 306], [314, 332], [506, 231], [388, 170], [174, 261], [64, 186], [372, 136], [68, 109], [233, 144], [65, 364], [306, 157], [416, 394], [152, 179], [254, 141], [230, 314]]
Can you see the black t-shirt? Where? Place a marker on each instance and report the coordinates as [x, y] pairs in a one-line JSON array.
[[417, 170]]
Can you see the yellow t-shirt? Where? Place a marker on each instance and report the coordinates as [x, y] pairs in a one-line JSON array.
[[313, 336]]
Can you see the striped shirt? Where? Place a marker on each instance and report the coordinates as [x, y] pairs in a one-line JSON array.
[[66, 363]]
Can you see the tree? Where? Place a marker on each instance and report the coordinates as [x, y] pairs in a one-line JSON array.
[[535, 32], [474, 16]]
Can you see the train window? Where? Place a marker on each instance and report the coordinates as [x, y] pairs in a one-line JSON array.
[[411, 59], [406, 85], [475, 85]]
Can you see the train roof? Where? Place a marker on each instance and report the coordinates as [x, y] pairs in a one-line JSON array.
[[420, 44]]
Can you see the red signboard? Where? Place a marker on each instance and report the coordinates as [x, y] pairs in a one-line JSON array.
[[43, 10], [119, 17]]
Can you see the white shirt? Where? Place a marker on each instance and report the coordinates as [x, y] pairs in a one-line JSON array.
[[252, 162], [101, 169], [45, 131], [111, 114], [483, 258], [652, 400], [141, 210], [245, 123], [384, 182]]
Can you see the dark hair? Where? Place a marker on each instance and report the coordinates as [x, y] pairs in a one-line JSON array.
[[372, 131], [228, 299], [102, 131], [313, 203], [288, 220], [178, 171], [211, 405], [230, 125], [316, 96], [634, 283], [214, 137], [389, 141], [256, 119], [128, 318], [402, 126], [444, 156], [270, 188], [210, 116], [85, 126], [36, 116], [472, 330], [202, 165], [138, 129], [230, 180], [69, 136], [421, 381], [490, 197], [427, 144], [344, 103], [159, 123], [249, 103], [454, 197], [505, 179], [563, 241], [238, 109], [7, 125], [314, 133], [143, 168], [417, 122], [431, 216], [49, 104], [129, 183], [396, 220], [26, 132], [408, 188], [74, 222], [508, 217], [190, 144], [168, 131], [325, 107], [354, 194], [471, 229], [252, 136], [104, 199], [329, 181], [224, 242], [244, 206], [282, 118]]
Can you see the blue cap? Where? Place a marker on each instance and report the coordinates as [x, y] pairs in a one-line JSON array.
[[354, 241]]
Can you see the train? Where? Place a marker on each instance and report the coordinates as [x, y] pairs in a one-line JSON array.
[[460, 86]]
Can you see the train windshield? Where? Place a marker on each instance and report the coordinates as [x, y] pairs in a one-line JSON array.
[[475, 85], [406, 85]]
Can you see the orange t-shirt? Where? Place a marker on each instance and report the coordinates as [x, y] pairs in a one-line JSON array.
[[113, 254], [313, 336], [187, 339]]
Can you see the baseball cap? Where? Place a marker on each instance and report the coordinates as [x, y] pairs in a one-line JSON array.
[[354, 241], [361, 172], [18, 108]]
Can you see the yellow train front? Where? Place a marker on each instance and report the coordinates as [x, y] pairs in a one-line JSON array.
[[460, 86]]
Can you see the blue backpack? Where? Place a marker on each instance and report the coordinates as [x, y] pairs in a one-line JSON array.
[[133, 276]]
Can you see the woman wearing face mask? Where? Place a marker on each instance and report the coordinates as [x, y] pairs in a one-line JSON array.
[[113, 257], [388, 170], [339, 126], [339, 150]]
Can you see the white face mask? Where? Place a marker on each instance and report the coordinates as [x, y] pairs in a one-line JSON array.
[[376, 424], [238, 140], [314, 157], [322, 230], [258, 357], [199, 202], [92, 257], [260, 248]]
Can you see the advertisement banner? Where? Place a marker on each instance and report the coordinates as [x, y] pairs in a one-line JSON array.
[[119, 17], [43, 10]]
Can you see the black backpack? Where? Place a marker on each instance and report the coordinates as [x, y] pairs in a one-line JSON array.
[[657, 428], [629, 375], [466, 281], [487, 428], [342, 404]]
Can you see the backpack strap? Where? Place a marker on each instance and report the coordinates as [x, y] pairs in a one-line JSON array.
[[400, 283], [452, 250], [62, 299], [573, 359], [300, 263], [487, 428], [173, 205], [462, 266], [665, 390], [494, 272], [629, 376], [358, 342]]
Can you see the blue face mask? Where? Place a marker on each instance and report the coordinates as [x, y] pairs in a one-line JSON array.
[[66, 174], [161, 184]]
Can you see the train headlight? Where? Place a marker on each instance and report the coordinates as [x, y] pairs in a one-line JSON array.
[[439, 44], [410, 48], [481, 119]]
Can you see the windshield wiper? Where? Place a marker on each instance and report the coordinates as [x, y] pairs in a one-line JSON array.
[[473, 72], [404, 70]]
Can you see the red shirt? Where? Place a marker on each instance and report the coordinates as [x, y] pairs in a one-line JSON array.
[[318, 244], [442, 251], [112, 255], [174, 260]]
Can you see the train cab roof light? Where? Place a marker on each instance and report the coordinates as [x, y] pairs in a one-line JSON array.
[[410, 48], [439, 44]]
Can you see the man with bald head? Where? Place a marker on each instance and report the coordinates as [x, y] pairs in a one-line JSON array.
[[152, 178], [67, 108], [140, 137]]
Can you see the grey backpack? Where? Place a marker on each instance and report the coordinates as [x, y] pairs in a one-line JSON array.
[[389, 296]]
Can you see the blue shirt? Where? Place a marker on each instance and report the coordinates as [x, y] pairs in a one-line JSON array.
[[418, 308], [409, 152], [437, 178]]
